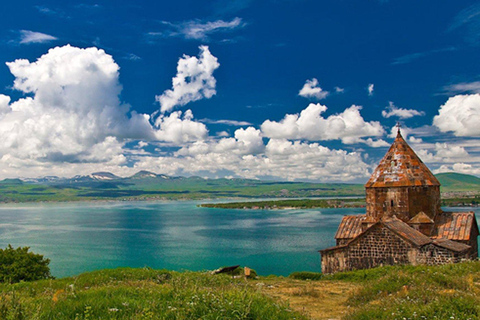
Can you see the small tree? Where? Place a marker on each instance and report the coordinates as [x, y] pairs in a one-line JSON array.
[[20, 265]]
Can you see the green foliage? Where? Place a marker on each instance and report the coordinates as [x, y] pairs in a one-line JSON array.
[[422, 292], [305, 275], [21, 265], [141, 294]]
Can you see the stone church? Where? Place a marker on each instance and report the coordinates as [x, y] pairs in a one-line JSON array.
[[404, 223]]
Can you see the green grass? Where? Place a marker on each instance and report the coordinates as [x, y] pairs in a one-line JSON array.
[[411, 292], [140, 294]]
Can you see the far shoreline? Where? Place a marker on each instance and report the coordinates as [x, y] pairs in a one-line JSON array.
[[261, 203]]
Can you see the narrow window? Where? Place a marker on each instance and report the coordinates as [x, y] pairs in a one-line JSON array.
[[391, 203]]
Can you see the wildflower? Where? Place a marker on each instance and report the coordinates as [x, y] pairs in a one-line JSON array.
[[112, 309]]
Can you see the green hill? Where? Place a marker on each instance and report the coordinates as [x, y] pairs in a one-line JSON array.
[[452, 181], [401, 292], [140, 294]]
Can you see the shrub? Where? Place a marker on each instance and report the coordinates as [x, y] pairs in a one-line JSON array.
[[20, 265]]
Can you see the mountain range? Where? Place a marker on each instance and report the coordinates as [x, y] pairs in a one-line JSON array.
[[146, 185]]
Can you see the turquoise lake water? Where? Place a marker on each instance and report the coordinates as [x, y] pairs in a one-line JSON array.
[[177, 235]]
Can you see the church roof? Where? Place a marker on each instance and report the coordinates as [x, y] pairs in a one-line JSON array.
[[350, 227], [420, 218], [406, 232], [455, 225], [401, 167], [451, 245]]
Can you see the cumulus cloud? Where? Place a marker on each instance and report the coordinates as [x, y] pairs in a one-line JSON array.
[[349, 126], [459, 167], [280, 158], [375, 143], [339, 90], [194, 80], [74, 112], [445, 150], [392, 111], [311, 89], [72, 122], [460, 115], [245, 141], [178, 129], [370, 89]]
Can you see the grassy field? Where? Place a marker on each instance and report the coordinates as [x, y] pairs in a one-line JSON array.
[[140, 294], [401, 292]]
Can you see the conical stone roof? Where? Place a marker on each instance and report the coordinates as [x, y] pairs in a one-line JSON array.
[[401, 167]]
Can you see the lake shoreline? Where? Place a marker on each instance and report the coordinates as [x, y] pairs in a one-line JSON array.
[[239, 202]]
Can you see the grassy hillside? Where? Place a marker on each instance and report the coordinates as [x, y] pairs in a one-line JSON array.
[[400, 292], [171, 188], [411, 292], [140, 294], [452, 182], [148, 186]]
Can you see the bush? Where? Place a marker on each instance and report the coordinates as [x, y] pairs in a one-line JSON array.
[[20, 265]]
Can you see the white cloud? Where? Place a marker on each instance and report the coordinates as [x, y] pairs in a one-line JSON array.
[[280, 158], [227, 122], [178, 129], [27, 36], [339, 90], [370, 89], [460, 115], [375, 143], [194, 80], [459, 167], [199, 30], [349, 126], [311, 89], [463, 87], [392, 111], [223, 134], [74, 112], [447, 151], [245, 141], [412, 139]]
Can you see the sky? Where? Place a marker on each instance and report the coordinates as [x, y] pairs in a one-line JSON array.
[[298, 90]]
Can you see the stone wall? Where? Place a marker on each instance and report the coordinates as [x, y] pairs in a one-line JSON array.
[[404, 202], [435, 255], [379, 246]]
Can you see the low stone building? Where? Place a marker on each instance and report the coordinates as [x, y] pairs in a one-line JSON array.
[[404, 223]]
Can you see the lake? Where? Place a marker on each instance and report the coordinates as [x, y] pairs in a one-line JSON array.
[[176, 235]]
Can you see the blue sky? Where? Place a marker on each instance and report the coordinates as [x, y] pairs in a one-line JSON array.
[[276, 89]]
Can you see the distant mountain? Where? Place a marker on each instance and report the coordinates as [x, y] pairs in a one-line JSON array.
[[144, 174], [11, 181], [452, 181], [104, 176]]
